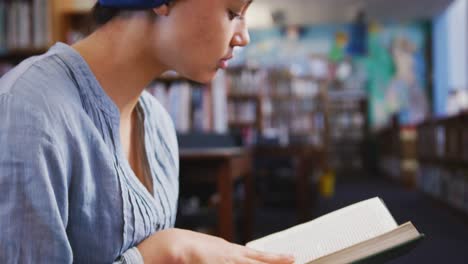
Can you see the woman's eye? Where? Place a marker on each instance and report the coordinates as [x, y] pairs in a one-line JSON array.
[[233, 15]]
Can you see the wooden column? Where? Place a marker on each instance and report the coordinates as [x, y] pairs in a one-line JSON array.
[[225, 211]]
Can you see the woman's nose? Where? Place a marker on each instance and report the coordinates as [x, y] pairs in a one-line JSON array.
[[241, 37]]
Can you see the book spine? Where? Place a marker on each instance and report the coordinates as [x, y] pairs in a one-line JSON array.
[[172, 105], [46, 22], [11, 25], [37, 24], [186, 103], [208, 109], [465, 191], [220, 105], [197, 114], [24, 25], [3, 44]]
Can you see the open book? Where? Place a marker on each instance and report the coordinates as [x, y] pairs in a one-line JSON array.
[[364, 232]]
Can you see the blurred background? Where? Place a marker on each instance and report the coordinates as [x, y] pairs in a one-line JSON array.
[[333, 102]]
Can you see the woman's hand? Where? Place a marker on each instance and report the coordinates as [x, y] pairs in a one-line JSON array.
[[176, 246]]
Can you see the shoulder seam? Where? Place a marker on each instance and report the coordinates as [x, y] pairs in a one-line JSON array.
[[28, 68]]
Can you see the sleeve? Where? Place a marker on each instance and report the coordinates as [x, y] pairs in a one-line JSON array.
[[33, 188], [131, 256]]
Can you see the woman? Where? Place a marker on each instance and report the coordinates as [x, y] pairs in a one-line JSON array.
[[89, 163]]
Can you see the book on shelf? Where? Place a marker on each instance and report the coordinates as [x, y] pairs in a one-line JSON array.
[[242, 112], [201, 109], [3, 16], [42, 33], [24, 24], [364, 232], [189, 105], [246, 82], [177, 101], [220, 112], [464, 144], [440, 141]]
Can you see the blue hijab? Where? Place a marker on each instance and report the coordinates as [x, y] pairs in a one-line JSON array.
[[134, 4]]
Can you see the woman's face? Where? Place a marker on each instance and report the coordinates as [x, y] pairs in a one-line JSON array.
[[198, 36]]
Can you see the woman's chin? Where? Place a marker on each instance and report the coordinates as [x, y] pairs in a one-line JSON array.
[[203, 78]]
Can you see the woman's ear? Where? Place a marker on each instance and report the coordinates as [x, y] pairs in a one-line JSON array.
[[162, 10]]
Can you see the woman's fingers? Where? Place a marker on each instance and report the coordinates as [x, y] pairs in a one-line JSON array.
[[269, 257], [252, 261]]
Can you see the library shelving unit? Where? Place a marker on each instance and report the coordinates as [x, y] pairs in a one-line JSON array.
[[443, 160], [348, 130], [25, 30], [189, 104], [438, 158], [19, 54], [30, 27], [274, 103], [245, 101], [295, 138], [296, 109], [388, 145], [397, 150]]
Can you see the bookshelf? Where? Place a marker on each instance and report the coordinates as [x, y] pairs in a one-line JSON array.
[[440, 163], [25, 30], [265, 103], [389, 149], [296, 109], [292, 145], [398, 156], [245, 101], [30, 27], [19, 54], [25, 25], [443, 160], [189, 104], [348, 129]]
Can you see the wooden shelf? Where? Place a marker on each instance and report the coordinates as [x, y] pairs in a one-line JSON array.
[[21, 54], [241, 68], [82, 7], [243, 96], [242, 123], [444, 162], [444, 157], [77, 12], [303, 133], [292, 97]]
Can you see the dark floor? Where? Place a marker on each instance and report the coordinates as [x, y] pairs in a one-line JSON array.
[[446, 231]]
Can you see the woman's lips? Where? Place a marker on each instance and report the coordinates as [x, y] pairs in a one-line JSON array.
[[224, 62]]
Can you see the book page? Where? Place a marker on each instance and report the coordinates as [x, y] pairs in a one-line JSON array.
[[332, 232]]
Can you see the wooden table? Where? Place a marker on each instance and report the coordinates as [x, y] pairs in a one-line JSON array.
[[222, 166], [305, 158]]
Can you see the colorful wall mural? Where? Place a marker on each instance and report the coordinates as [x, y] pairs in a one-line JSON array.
[[389, 60]]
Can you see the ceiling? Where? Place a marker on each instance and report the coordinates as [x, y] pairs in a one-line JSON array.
[[323, 11]]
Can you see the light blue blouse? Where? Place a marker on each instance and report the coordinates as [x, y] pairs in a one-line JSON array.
[[67, 191]]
